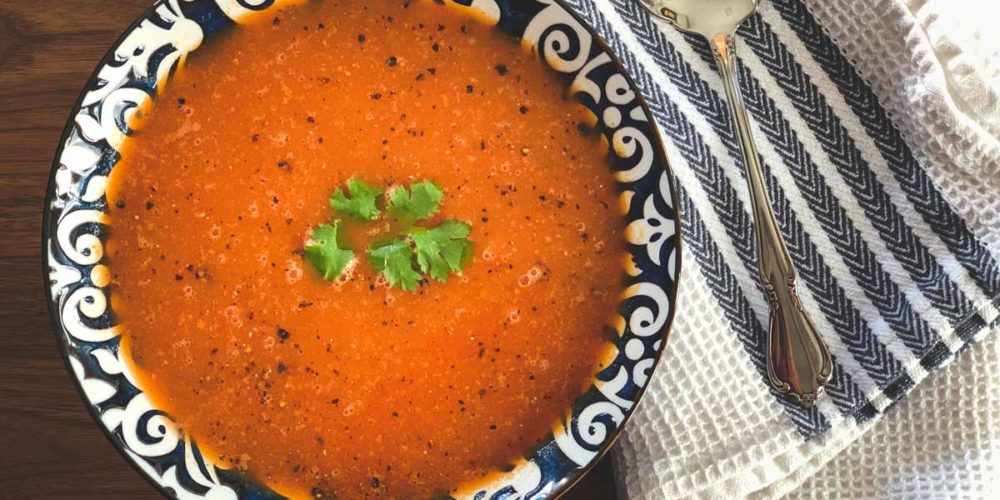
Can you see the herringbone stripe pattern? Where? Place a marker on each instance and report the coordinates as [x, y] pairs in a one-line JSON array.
[[894, 272], [854, 331], [920, 190], [826, 127], [845, 394]]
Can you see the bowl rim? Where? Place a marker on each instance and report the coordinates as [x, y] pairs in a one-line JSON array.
[[561, 486], [55, 322], [578, 474]]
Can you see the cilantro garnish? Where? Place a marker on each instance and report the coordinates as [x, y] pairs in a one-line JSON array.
[[325, 254], [361, 203], [395, 261], [419, 202], [439, 250], [442, 249]]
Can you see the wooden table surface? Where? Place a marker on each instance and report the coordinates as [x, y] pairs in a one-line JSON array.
[[49, 446]]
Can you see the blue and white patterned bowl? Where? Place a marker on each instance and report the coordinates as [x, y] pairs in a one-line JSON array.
[[75, 226]]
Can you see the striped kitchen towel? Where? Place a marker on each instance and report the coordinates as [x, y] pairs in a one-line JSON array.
[[883, 164]]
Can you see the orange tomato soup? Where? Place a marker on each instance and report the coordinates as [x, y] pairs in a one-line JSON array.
[[350, 389]]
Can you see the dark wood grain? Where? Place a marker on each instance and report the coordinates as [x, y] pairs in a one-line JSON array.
[[49, 446]]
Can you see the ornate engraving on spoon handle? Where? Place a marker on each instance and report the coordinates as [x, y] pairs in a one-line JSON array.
[[798, 362]]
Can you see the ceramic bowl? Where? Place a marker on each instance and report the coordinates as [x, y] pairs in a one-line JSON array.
[[75, 226]]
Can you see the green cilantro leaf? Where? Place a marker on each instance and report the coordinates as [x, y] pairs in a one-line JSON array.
[[361, 203], [395, 261], [323, 252], [419, 202], [416, 252], [442, 249]]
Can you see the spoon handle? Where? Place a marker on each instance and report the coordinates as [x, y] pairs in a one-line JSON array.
[[798, 362]]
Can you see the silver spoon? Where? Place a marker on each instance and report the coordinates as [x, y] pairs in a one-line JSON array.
[[798, 362]]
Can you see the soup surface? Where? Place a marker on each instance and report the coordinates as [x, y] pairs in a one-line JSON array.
[[353, 388]]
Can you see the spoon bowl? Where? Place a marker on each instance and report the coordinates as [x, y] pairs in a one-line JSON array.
[[708, 18]]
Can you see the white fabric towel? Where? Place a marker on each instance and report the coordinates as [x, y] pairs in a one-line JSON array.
[[709, 426]]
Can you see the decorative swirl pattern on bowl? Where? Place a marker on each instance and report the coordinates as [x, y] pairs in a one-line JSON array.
[[76, 224]]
